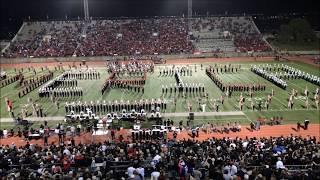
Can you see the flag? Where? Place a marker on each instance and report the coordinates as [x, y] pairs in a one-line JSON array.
[[9, 105]]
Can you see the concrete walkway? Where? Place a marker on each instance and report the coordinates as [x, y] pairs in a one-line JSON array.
[[54, 118], [186, 114], [182, 114]]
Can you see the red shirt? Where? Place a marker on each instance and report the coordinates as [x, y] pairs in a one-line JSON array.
[[66, 163]]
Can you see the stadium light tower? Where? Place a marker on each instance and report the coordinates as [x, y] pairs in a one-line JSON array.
[[86, 10], [189, 14], [189, 8], [189, 19]]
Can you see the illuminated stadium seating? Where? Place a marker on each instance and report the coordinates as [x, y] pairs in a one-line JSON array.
[[136, 37], [229, 34]]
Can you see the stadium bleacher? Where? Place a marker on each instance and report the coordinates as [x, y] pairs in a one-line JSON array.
[[136, 37]]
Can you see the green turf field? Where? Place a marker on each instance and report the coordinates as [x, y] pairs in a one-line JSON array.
[[278, 106]]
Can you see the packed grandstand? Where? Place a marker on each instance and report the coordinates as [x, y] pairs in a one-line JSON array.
[[228, 159], [137, 37]]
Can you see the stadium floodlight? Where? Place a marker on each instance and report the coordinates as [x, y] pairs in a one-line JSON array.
[[189, 14], [86, 10], [189, 8], [189, 19]]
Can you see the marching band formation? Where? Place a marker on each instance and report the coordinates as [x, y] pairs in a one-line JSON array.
[[35, 82], [130, 67], [269, 76], [135, 85], [116, 106], [229, 88], [127, 75], [63, 92], [290, 73], [65, 85], [183, 71], [5, 80], [225, 68], [186, 88], [132, 76], [82, 74], [295, 73]]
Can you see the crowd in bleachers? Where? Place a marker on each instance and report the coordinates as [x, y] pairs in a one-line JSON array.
[[134, 37], [46, 39], [220, 30], [62, 41], [252, 42], [137, 36], [259, 159]]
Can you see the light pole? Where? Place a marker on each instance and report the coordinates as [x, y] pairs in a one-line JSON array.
[[86, 10], [189, 20]]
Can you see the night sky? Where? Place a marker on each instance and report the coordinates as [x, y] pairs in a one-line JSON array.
[[13, 12]]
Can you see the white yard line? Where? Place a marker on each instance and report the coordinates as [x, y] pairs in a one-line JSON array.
[[294, 85], [247, 117], [5, 95], [286, 110], [280, 103], [122, 95], [235, 104]]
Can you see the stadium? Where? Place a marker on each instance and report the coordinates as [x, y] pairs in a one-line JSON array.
[[165, 90]]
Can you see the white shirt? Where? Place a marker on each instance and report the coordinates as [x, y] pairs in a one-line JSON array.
[[280, 165], [156, 158], [5, 132], [40, 170], [140, 171], [155, 175], [234, 170], [245, 144], [103, 147], [130, 171], [227, 177], [67, 152]]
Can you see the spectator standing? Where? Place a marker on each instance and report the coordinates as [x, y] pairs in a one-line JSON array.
[[73, 131], [258, 125], [306, 124], [155, 174], [279, 164], [112, 134], [298, 126], [267, 172]]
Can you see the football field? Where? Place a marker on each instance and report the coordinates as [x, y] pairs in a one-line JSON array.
[[153, 90]]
